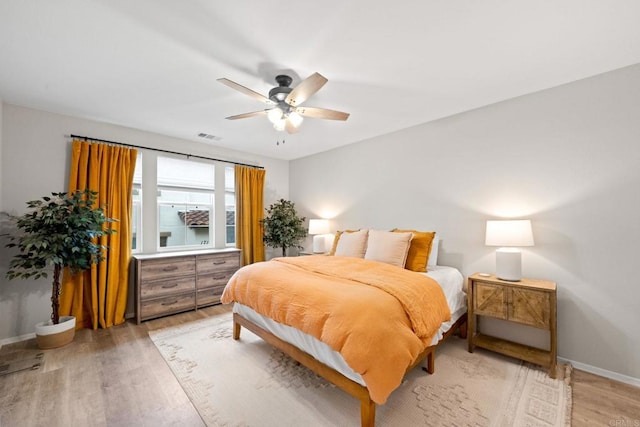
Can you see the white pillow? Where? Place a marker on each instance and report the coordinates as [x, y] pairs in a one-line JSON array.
[[352, 244], [388, 247], [433, 255]]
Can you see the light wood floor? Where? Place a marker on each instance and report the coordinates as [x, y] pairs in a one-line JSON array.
[[116, 377]]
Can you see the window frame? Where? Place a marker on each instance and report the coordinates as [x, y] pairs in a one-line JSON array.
[[136, 207], [230, 189]]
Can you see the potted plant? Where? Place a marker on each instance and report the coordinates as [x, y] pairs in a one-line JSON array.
[[58, 231], [282, 226]]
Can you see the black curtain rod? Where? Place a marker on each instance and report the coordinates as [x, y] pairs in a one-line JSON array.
[[86, 138]]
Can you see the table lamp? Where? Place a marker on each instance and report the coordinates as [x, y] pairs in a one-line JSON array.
[[318, 227], [509, 235]]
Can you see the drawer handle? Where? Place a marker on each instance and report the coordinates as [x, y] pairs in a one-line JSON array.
[[169, 303], [175, 285], [170, 268], [219, 262]]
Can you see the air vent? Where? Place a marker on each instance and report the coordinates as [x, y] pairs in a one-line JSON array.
[[209, 136]]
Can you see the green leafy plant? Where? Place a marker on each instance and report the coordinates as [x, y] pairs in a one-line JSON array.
[[59, 231], [282, 226]]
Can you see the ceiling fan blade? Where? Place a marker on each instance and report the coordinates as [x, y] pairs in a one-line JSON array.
[[246, 91], [305, 89], [290, 127], [322, 113], [245, 115]]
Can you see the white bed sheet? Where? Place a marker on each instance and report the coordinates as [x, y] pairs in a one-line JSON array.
[[449, 278]]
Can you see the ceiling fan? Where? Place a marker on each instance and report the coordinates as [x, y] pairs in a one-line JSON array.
[[285, 112]]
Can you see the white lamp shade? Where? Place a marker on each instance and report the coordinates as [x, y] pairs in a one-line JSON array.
[[318, 226], [509, 233]]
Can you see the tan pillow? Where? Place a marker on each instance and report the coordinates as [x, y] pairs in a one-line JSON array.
[[388, 247], [418, 255], [352, 244], [337, 238]]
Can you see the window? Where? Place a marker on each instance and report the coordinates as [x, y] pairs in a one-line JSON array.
[[230, 204], [185, 203], [183, 215], [136, 206]]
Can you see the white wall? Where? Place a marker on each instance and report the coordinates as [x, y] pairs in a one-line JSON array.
[[567, 158], [35, 161]]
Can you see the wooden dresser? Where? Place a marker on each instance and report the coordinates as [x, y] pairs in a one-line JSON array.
[[528, 302], [171, 282]]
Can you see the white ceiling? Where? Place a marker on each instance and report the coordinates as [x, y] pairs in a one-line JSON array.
[[153, 64]]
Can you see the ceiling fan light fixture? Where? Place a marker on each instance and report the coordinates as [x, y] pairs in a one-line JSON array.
[[295, 119], [285, 111], [279, 125], [275, 114]]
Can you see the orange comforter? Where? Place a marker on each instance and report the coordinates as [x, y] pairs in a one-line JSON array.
[[379, 317]]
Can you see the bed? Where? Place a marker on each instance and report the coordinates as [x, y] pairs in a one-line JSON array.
[[322, 354]]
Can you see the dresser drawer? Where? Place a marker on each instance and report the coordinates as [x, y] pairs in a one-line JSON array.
[[218, 280], [158, 288], [218, 262], [209, 296], [167, 267], [167, 305]]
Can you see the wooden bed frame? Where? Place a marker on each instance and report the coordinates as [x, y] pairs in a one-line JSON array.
[[367, 406]]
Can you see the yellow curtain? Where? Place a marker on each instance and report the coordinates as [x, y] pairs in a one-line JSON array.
[[249, 212], [98, 297]]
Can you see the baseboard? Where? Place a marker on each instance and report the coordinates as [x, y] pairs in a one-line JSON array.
[[19, 338], [602, 372]]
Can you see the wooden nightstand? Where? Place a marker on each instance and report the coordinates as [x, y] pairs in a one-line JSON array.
[[528, 302]]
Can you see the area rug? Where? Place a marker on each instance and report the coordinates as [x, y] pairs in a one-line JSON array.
[[249, 383]]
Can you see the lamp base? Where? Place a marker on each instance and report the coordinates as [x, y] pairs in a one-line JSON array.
[[319, 244], [509, 264]]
